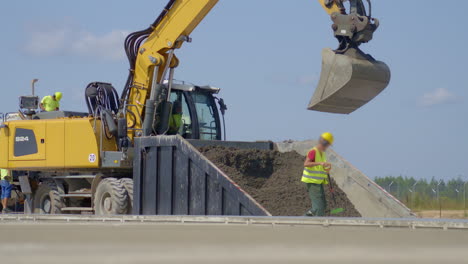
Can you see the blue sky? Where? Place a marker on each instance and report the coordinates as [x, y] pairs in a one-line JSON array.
[[266, 56]]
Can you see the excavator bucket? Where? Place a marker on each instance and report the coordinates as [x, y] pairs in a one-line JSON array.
[[348, 82]]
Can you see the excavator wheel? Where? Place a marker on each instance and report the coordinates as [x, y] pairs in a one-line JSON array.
[[110, 198], [47, 198], [128, 185], [348, 81]]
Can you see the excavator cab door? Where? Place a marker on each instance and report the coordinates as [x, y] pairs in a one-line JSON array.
[[208, 119]]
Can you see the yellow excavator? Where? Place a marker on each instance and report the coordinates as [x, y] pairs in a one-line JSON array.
[[70, 162]]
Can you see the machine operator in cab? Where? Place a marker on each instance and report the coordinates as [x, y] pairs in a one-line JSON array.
[[315, 175], [51, 103], [175, 121]]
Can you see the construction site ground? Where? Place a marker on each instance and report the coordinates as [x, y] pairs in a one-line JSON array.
[[80, 239]]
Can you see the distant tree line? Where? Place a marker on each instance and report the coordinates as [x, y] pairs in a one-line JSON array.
[[427, 195]]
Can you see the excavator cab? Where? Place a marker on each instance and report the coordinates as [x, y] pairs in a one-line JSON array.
[[200, 117], [349, 78]]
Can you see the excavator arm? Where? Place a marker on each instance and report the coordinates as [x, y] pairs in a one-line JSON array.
[[146, 104], [151, 57]]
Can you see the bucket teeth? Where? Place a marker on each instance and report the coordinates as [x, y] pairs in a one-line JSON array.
[[348, 82]]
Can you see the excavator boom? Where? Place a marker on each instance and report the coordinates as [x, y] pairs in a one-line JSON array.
[[349, 77], [151, 57]]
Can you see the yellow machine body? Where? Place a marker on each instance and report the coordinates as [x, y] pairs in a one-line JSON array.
[[55, 144]]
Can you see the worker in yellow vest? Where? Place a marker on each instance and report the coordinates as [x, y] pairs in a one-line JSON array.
[[175, 121], [51, 103], [6, 187], [315, 175]]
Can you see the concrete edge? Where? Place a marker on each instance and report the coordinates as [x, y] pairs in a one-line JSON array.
[[443, 224]]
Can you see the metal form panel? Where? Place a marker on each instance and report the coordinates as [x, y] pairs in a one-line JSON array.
[[172, 178]]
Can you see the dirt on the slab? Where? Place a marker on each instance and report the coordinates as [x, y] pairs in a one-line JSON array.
[[274, 180]]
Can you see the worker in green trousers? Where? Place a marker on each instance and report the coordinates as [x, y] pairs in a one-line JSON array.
[[315, 174]]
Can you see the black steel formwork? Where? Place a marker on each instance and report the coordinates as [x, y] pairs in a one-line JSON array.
[[171, 177]]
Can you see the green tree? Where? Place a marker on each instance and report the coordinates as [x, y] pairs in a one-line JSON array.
[[423, 194]]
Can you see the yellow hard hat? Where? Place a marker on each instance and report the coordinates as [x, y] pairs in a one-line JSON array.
[[58, 96], [327, 136]]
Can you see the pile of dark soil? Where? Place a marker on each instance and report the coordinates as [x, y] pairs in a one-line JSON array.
[[273, 179]]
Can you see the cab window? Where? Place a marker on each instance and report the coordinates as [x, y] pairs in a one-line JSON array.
[[185, 129], [206, 109]]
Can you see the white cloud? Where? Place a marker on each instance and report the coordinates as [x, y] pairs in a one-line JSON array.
[[71, 40], [110, 45], [307, 80], [438, 97]]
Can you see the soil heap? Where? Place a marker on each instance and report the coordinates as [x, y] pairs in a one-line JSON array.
[[273, 179]]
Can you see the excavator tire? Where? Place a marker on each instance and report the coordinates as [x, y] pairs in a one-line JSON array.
[[128, 185], [110, 198], [47, 198]]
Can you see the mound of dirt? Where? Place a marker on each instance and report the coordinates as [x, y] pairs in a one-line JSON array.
[[273, 179]]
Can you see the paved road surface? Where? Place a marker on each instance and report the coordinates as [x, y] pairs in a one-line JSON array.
[[114, 243]]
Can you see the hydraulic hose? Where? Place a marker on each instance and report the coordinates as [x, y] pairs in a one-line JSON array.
[[133, 43]]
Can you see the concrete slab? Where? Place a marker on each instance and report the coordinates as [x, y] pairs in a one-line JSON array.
[[113, 240]]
